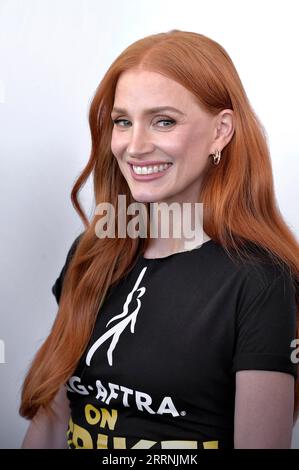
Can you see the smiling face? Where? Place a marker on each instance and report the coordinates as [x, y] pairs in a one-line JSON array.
[[180, 139]]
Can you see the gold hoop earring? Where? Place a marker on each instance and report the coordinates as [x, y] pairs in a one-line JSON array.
[[216, 157]]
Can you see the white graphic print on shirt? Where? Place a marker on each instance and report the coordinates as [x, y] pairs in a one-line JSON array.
[[116, 330]]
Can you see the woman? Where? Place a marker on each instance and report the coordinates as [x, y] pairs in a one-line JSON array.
[[162, 342]]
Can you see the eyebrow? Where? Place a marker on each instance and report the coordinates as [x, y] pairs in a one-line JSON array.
[[151, 110]]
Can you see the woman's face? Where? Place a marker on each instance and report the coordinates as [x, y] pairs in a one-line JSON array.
[[180, 139]]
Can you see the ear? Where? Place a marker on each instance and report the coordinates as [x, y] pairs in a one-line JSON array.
[[224, 129]]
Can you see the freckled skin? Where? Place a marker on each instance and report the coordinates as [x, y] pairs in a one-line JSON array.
[[186, 143]]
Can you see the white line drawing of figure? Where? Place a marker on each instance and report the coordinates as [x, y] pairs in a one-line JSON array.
[[116, 330]]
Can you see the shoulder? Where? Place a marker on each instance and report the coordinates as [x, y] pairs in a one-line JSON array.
[[265, 316], [267, 277], [57, 286], [253, 268]]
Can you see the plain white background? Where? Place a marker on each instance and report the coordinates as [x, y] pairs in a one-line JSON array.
[[53, 54]]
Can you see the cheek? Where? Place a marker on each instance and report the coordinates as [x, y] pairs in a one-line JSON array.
[[174, 144], [198, 143], [118, 144], [186, 143], [114, 146]]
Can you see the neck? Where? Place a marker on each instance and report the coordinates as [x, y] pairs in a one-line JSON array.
[[175, 228]]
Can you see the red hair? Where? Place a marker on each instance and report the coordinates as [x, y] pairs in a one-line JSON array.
[[238, 197]]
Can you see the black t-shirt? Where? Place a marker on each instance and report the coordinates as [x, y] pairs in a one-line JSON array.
[[159, 370]]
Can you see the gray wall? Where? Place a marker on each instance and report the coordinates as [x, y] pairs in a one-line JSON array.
[[53, 53]]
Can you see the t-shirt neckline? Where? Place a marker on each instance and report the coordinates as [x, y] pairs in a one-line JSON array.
[[177, 253]]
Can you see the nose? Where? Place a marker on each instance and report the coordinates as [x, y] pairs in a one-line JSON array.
[[140, 141]]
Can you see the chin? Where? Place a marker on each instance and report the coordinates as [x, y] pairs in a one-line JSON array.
[[148, 196], [143, 198]]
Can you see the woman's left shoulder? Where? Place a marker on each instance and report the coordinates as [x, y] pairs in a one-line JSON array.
[[261, 271], [268, 282]]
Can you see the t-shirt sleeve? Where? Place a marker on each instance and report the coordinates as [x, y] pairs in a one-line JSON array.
[[265, 328], [57, 286]]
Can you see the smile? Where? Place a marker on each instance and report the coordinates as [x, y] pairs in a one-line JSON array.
[[149, 172]]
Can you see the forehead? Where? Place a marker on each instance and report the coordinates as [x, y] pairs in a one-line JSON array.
[[150, 88]]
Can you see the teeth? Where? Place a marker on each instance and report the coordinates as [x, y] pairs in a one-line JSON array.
[[147, 170]]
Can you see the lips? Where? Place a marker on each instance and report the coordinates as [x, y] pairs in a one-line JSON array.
[[151, 176], [148, 163]]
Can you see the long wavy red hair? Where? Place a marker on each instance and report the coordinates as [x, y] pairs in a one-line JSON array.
[[238, 197]]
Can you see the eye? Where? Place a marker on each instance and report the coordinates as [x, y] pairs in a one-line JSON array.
[[117, 121], [169, 121]]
